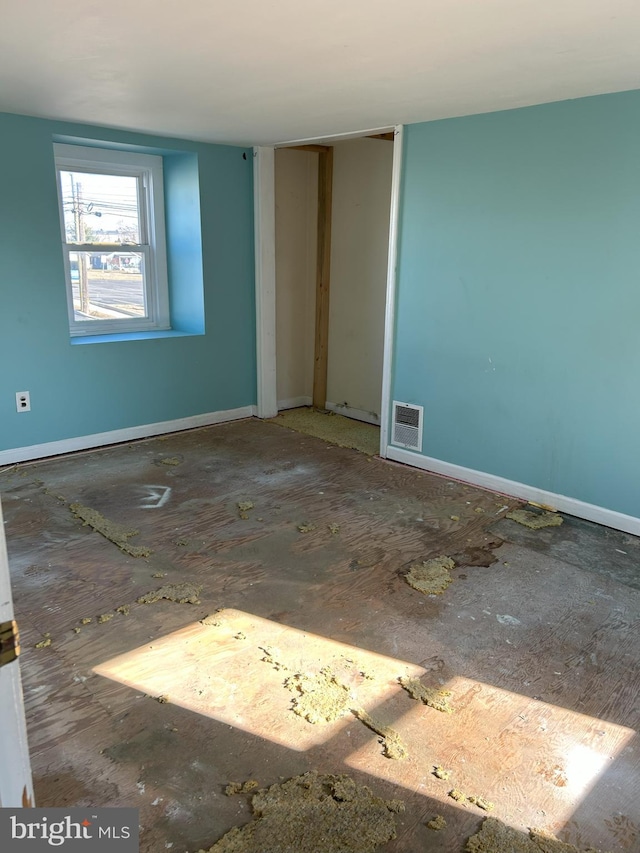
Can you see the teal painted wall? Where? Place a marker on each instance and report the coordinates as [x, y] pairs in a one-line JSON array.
[[184, 242], [518, 307], [83, 389]]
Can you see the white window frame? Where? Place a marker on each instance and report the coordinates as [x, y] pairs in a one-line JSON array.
[[147, 168]]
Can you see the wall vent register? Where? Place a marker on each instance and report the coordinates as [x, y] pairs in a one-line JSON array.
[[407, 425]]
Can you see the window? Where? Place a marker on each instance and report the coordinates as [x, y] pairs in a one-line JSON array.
[[113, 240]]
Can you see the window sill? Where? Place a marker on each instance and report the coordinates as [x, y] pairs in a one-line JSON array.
[[130, 336]]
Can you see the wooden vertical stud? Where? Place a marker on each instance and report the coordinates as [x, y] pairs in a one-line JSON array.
[[325, 187]]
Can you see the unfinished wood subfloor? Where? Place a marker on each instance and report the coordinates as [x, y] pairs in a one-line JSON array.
[[536, 638]]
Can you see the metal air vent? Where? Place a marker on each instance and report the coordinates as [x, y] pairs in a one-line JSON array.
[[407, 425]]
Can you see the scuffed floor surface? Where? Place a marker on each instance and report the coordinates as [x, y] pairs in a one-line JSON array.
[[274, 555]]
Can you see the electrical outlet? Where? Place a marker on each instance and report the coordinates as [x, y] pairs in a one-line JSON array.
[[23, 401]]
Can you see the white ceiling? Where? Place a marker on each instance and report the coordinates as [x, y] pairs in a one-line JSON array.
[[267, 71]]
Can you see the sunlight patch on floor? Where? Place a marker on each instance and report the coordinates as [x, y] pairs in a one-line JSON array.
[[521, 737], [231, 667], [217, 668]]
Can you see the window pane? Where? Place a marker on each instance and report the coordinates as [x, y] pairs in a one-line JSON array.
[[100, 208], [107, 286]]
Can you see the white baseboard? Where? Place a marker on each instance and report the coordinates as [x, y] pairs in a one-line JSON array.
[[294, 403], [355, 414], [572, 506], [100, 439]]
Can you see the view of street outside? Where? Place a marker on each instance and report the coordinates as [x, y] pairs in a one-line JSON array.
[[101, 210], [110, 294]]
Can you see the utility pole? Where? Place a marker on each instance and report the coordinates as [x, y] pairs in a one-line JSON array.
[[83, 290]]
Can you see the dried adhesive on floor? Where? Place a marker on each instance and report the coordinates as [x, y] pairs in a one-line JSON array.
[[319, 698], [393, 746], [432, 576], [336, 429], [115, 533], [434, 697], [440, 773], [535, 520], [313, 813], [182, 593], [481, 802], [497, 837], [241, 787]]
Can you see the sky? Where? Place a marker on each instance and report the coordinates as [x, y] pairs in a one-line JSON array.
[[104, 202]]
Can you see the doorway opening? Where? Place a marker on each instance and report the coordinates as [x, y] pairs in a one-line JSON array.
[[332, 226]]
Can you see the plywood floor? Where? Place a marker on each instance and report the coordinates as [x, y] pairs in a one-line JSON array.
[[536, 638]]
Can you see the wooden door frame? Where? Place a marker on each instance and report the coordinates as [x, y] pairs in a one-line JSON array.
[[323, 278], [264, 214]]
